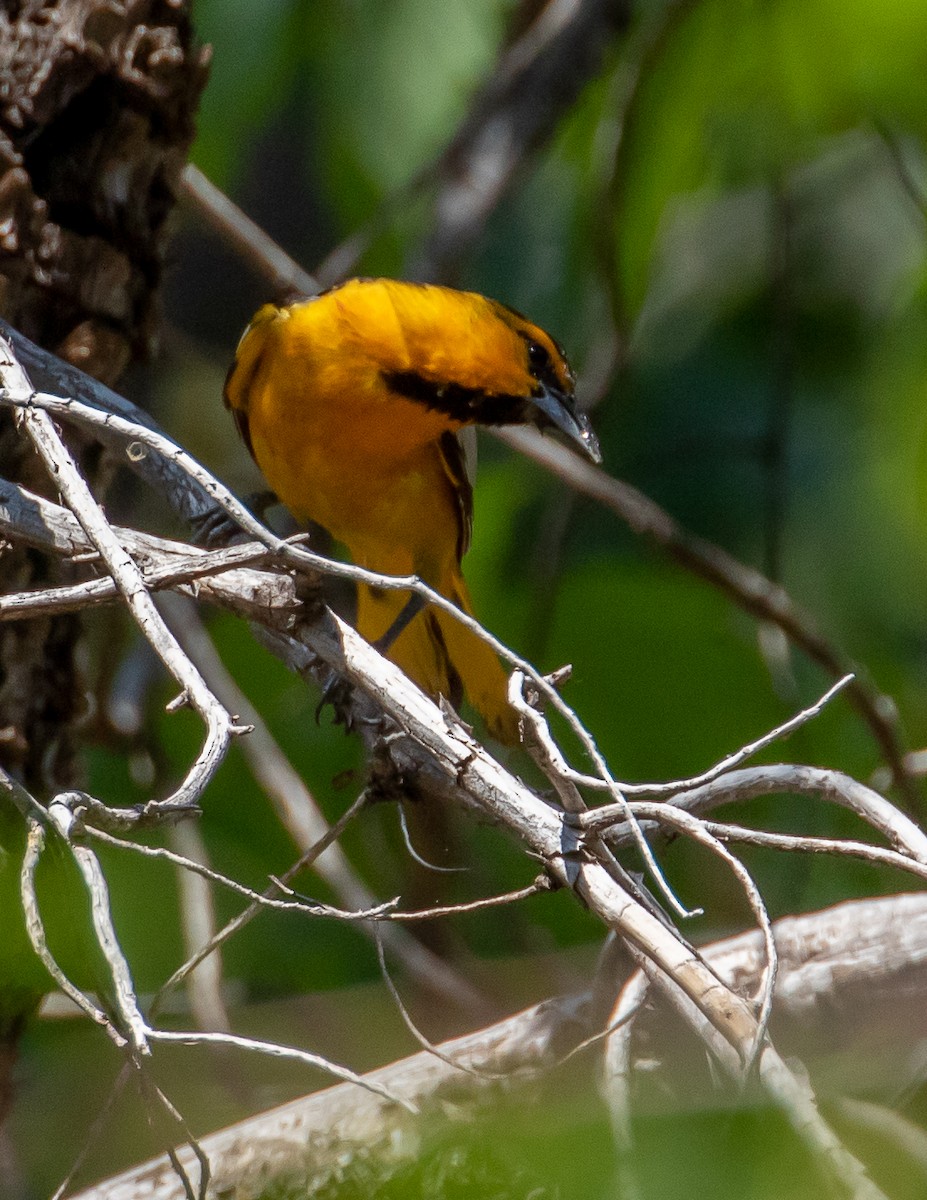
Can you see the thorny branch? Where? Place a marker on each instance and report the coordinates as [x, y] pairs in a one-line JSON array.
[[428, 745]]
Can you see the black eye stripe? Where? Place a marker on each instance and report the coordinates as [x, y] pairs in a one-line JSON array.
[[541, 364], [538, 355]]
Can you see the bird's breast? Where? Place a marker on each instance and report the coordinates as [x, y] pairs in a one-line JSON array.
[[359, 461]]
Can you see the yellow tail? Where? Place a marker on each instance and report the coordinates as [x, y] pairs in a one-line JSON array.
[[441, 655]]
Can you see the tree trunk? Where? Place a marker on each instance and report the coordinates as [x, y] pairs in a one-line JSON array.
[[97, 99]]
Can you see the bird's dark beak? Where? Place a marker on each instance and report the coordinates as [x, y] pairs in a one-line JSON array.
[[555, 408]]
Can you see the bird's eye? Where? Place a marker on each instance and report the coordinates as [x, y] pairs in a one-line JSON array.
[[538, 356]]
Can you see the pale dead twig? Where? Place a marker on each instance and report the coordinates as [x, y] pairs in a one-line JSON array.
[[413, 1029], [779, 733], [537, 740], [550, 758], [138, 1032], [198, 927], [35, 929], [276, 1050], [63, 470], [131, 1022], [833, 786], [535, 888], [185, 863], [804, 844]]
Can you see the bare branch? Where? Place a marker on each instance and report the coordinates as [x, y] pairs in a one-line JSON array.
[[535, 82], [198, 924], [833, 959], [726, 764], [276, 1050], [247, 237], [124, 571], [744, 586], [310, 908]]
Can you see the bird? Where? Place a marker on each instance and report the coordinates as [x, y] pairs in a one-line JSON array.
[[355, 404]]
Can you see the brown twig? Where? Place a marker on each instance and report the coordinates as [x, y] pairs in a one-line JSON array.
[[287, 277], [534, 83], [744, 586]]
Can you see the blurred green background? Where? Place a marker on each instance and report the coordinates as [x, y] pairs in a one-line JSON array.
[[727, 233]]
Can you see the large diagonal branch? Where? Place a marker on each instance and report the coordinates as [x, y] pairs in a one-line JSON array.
[[744, 586]]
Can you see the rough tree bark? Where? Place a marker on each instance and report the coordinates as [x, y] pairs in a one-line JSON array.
[[97, 99]]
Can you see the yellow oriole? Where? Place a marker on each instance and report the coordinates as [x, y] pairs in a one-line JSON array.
[[351, 403]]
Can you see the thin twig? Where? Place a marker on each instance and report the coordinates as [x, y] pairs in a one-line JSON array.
[[743, 585], [310, 908], [551, 759], [151, 1090], [276, 1050], [95, 1133], [726, 764], [249, 913], [123, 989], [35, 844], [541, 884], [464, 1067], [806, 844], [247, 237]]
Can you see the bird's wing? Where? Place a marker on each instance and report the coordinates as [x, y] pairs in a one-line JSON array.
[[458, 458]]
